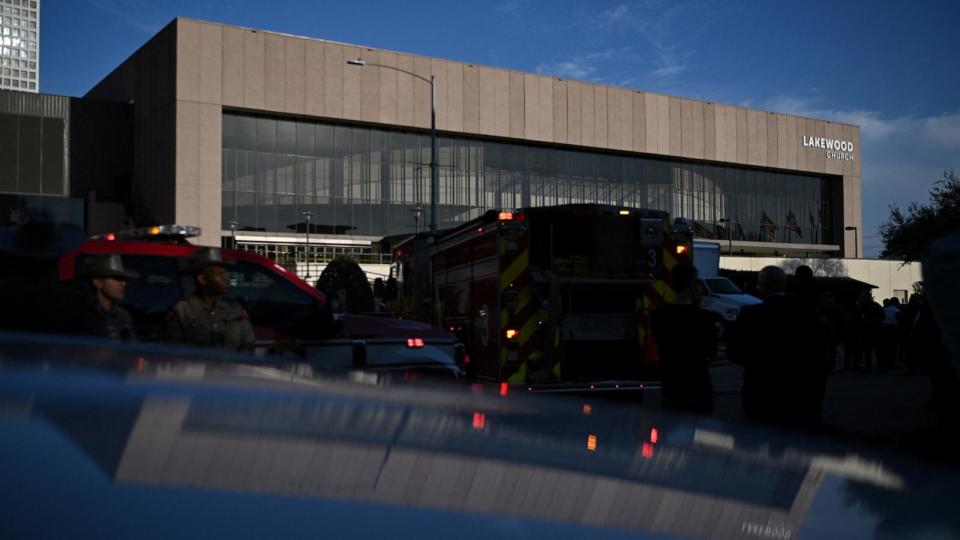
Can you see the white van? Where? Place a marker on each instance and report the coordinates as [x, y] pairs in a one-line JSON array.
[[720, 295]]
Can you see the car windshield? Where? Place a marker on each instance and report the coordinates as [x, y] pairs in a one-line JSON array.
[[722, 286]]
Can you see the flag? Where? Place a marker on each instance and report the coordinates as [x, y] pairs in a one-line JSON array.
[[792, 224], [739, 235], [813, 226], [768, 229], [699, 231]]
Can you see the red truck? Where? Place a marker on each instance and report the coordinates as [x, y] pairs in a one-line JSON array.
[[289, 316]]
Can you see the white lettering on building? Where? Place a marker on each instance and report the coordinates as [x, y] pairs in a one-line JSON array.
[[836, 149]]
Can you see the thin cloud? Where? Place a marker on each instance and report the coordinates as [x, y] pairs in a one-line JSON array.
[[129, 15], [570, 69], [509, 7], [658, 58], [943, 130], [670, 62], [585, 66]]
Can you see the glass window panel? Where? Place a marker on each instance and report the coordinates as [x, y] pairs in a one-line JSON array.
[[306, 138], [286, 137], [266, 135], [325, 140]]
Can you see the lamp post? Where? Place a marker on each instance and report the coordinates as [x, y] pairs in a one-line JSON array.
[[856, 242], [434, 173], [729, 233], [306, 214], [233, 232]]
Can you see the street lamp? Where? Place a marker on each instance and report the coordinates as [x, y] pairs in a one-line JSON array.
[[729, 233], [856, 246], [233, 231], [434, 173], [306, 214]]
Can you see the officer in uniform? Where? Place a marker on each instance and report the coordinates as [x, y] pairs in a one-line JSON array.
[[205, 318], [103, 281]]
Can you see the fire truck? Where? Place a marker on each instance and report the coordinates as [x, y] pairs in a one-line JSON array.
[[548, 297]]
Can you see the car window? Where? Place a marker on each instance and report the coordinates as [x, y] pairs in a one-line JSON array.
[[149, 297], [703, 288], [271, 300], [723, 286]]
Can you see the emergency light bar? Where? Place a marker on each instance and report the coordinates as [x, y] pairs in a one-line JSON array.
[[157, 232]]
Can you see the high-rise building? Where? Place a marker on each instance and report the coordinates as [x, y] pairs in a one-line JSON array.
[[20, 45]]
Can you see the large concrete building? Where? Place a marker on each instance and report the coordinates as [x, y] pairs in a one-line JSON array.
[[20, 45], [242, 131]]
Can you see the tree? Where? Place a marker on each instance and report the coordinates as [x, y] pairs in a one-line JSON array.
[[344, 273], [906, 233]]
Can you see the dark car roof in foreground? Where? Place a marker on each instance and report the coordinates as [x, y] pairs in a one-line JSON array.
[[121, 442]]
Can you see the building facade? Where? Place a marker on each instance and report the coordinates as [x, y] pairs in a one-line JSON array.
[[268, 138], [67, 159], [20, 45]]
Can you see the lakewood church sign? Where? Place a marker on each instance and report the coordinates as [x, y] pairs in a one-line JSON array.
[[836, 149]]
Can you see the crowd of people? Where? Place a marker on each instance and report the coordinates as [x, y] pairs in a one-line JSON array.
[[791, 343]]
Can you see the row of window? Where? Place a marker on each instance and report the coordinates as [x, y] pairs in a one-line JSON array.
[[9, 22], [17, 73], [17, 12], [13, 62], [17, 83], [8, 41], [23, 3], [17, 33], [13, 52], [370, 181]]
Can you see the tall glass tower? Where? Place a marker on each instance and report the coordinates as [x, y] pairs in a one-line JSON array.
[[20, 45]]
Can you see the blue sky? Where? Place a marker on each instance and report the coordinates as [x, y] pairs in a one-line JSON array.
[[893, 68]]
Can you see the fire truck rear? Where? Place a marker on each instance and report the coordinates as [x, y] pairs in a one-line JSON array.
[[551, 297]]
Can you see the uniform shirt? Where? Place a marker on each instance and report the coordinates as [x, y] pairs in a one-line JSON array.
[[113, 324], [226, 326]]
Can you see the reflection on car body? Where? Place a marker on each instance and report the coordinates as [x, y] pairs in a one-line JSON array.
[[210, 443]]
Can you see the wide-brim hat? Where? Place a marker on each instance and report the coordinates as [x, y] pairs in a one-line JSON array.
[[105, 266], [204, 258]]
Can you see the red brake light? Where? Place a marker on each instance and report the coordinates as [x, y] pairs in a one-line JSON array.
[[646, 450], [466, 359], [682, 249], [479, 420], [505, 216], [111, 237], [654, 435], [415, 343], [504, 388]]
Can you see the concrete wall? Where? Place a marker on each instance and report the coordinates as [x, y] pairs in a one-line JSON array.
[[147, 80], [220, 66], [888, 276]]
